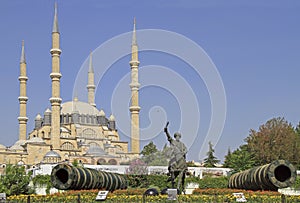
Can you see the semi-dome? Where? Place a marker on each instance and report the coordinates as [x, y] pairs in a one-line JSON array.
[[95, 151], [80, 107]]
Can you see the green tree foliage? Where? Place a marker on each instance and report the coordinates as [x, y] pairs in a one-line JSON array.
[[276, 139], [154, 157], [210, 160], [239, 160], [42, 180], [15, 181], [149, 149]]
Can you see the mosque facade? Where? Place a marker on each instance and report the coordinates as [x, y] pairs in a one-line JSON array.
[[73, 130]]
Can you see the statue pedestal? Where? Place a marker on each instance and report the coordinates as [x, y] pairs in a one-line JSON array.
[[172, 194]]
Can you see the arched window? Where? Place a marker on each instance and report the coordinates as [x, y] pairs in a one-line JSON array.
[[94, 144], [101, 161], [67, 146], [112, 162], [89, 133]]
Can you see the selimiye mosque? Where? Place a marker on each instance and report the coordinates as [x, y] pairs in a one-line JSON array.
[[73, 130]]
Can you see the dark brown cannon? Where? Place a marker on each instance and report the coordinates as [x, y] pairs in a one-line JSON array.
[[278, 174], [67, 177]]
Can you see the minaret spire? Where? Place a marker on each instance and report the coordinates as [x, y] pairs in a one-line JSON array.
[[134, 33], [23, 60], [91, 84], [23, 97], [55, 76], [55, 21], [134, 86]]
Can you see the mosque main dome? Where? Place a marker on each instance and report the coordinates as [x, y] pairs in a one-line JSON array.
[[78, 107]]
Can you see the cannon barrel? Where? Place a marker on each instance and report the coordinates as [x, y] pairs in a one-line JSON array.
[[67, 177], [278, 174]]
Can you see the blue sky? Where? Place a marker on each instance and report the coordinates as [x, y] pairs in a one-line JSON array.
[[254, 46]]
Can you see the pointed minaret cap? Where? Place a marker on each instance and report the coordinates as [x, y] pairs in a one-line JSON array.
[[101, 113], [111, 118], [91, 69], [23, 53], [47, 111], [38, 117], [133, 34], [55, 22]]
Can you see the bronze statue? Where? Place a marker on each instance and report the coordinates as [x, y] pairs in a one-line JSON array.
[[177, 164]]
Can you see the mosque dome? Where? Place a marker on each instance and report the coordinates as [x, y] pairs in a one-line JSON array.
[[52, 153], [20, 142], [2, 146], [35, 140], [80, 107], [52, 157], [16, 147]]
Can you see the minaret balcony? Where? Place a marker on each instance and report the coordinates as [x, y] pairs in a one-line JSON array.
[[91, 86], [134, 64], [22, 119], [23, 78], [134, 109], [55, 51], [55, 75], [23, 99], [134, 86], [54, 100]]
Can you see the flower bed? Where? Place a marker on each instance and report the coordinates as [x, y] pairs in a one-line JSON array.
[[136, 195]]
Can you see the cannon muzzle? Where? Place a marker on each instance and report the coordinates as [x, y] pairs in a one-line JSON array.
[[278, 174], [67, 177]]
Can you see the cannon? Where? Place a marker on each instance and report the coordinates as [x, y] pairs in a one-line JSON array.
[[67, 177], [272, 176]]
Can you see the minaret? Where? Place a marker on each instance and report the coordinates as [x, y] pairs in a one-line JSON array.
[[55, 76], [134, 85], [91, 84], [23, 98]]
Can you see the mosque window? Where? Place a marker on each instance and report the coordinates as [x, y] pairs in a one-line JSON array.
[[67, 146], [101, 161], [89, 133], [93, 144], [112, 162]]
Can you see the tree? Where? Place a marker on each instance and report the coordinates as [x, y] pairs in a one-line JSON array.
[[154, 157], [276, 139], [239, 160], [211, 160], [149, 149], [15, 181]]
